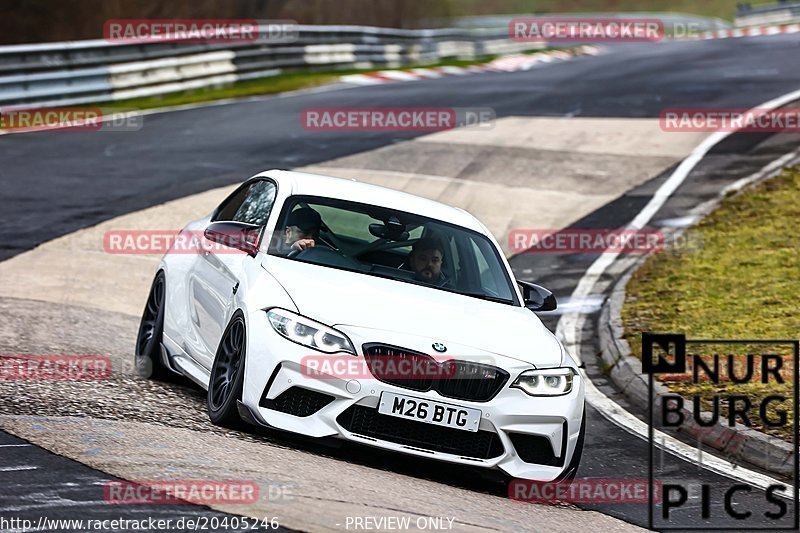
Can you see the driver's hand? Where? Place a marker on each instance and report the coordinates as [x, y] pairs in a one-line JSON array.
[[302, 244]]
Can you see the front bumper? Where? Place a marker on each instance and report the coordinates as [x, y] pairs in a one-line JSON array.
[[526, 437]]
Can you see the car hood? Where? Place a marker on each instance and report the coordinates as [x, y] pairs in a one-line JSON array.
[[338, 297]]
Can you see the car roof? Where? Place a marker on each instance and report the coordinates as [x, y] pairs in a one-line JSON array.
[[356, 191]]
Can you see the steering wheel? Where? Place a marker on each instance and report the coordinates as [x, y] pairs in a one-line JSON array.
[[319, 240]]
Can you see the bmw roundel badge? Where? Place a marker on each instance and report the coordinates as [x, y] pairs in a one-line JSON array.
[[439, 347]]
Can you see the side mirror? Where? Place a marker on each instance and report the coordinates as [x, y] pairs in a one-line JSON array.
[[536, 297], [238, 235]]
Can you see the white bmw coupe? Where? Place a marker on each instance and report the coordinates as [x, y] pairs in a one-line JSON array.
[[328, 307]]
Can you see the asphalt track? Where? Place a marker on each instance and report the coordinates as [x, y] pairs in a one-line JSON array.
[[57, 182]]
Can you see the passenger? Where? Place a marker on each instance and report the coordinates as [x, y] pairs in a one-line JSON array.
[[301, 231]]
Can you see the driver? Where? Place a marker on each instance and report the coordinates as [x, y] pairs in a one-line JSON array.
[[426, 259], [302, 230]]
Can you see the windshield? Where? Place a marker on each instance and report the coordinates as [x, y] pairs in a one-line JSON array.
[[392, 244]]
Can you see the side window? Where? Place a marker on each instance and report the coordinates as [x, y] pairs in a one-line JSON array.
[[251, 205], [229, 207], [257, 204]]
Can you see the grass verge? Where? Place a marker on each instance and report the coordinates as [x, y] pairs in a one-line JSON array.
[[261, 86], [742, 283]]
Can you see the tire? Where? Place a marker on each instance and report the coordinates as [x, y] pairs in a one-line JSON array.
[[227, 376], [151, 330], [572, 470]]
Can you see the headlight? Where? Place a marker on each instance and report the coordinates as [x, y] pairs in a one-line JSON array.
[[545, 382], [309, 333]]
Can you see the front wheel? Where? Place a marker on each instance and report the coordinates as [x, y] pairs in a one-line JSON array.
[[151, 329], [227, 376]]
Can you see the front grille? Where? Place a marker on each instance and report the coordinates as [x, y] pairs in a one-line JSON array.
[[367, 421], [462, 380], [298, 401], [471, 381], [536, 449]]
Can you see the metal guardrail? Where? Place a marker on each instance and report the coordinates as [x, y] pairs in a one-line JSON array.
[[779, 13], [70, 73]]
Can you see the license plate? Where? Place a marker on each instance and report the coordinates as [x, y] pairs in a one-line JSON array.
[[431, 412]]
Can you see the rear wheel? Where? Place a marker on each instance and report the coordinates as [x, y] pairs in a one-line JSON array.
[[151, 329], [227, 376]]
